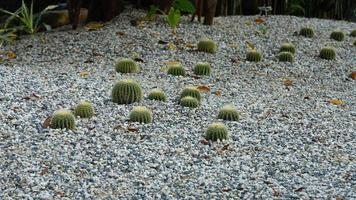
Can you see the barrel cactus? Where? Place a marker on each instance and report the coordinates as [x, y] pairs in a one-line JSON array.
[[126, 91], [191, 91], [202, 68], [189, 101], [176, 70], [353, 33], [307, 32], [253, 56], [84, 109], [157, 94], [286, 57], [62, 119], [126, 65], [228, 113], [207, 45], [141, 114], [327, 53], [216, 131], [289, 47], [337, 35]]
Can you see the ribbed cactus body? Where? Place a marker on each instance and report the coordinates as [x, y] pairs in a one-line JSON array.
[[126, 65], [216, 131], [307, 32], [337, 35], [207, 45], [176, 70], [157, 94], [289, 47], [62, 119], [327, 53], [191, 91], [253, 56], [286, 57], [189, 101], [126, 92], [228, 113], [202, 68], [141, 114], [84, 109]]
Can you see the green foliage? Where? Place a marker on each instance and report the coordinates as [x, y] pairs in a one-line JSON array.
[[126, 65], [157, 94], [253, 56], [126, 91], [353, 33], [307, 32], [207, 45], [228, 113], [202, 68], [189, 101], [7, 35], [173, 18], [289, 47], [152, 11], [327, 53], [286, 56], [62, 119], [191, 91], [337, 35], [296, 7], [216, 131], [185, 6], [84, 109], [141, 114], [176, 70]]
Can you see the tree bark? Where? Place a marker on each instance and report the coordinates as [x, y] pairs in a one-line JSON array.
[[74, 12], [209, 11]]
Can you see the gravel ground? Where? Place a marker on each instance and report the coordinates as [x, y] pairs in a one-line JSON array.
[[290, 143]]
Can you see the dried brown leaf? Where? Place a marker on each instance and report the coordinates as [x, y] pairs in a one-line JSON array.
[[203, 88], [47, 122]]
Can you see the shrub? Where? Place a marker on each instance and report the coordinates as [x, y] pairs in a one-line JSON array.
[[141, 114], [84, 109], [228, 113], [126, 91], [307, 32], [176, 70], [327, 53], [191, 91], [207, 45], [286, 57], [353, 33], [202, 68], [189, 101], [253, 56], [216, 131], [157, 94], [289, 47], [62, 119], [337, 35], [126, 65]]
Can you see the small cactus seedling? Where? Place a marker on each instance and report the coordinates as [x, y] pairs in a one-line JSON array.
[[228, 113], [202, 68], [84, 109], [286, 57], [337, 35], [287, 47], [207, 45], [191, 91], [176, 70], [327, 53], [141, 114], [189, 101], [126, 91], [253, 56], [353, 33], [62, 119], [157, 94], [126, 65], [216, 131], [307, 32]]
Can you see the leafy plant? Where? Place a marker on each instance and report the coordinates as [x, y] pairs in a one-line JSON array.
[[7, 35], [62, 119], [173, 19], [126, 65], [184, 5], [327, 53], [189, 101], [216, 131], [152, 11], [157, 94], [229, 113], [337, 35], [202, 68], [207, 45], [286, 56], [126, 92], [141, 114], [84, 109]]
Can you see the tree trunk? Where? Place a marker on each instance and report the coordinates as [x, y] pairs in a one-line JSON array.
[[104, 10], [209, 11], [74, 12], [249, 7]]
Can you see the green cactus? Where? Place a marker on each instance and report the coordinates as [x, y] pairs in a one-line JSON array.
[[337, 35], [141, 114], [189, 101], [253, 56], [84, 109], [228, 113], [202, 68], [126, 91], [289, 47], [176, 70], [216, 131], [327, 53], [191, 91], [126, 65], [157, 94], [285, 57], [207, 45], [307, 32], [62, 119], [353, 33]]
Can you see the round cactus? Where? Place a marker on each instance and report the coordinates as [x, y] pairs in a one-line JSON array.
[[157, 94], [189, 101], [207, 45], [327, 53], [126, 65], [126, 91], [289, 47], [216, 131], [141, 114], [253, 56], [176, 70], [84, 109], [62, 119], [202, 68], [307, 32], [353, 33], [286, 57], [191, 91], [228, 113], [337, 35]]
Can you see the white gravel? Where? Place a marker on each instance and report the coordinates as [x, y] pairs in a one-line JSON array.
[[289, 144]]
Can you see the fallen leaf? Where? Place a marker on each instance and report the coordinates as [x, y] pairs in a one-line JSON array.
[[226, 189], [138, 59], [84, 74], [218, 93], [47, 122], [276, 193], [250, 45], [299, 189], [190, 45], [203, 88], [259, 20], [353, 75], [172, 63], [92, 26], [287, 82], [33, 96], [44, 171], [225, 147], [132, 129], [11, 55], [162, 42], [204, 141], [336, 102], [60, 193], [119, 33]]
